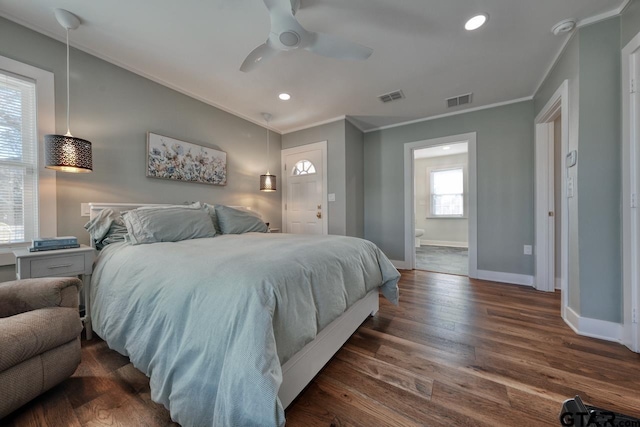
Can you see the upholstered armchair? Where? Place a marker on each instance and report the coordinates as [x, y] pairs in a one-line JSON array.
[[39, 337]]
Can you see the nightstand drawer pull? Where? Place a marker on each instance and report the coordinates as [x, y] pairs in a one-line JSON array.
[[59, 266]]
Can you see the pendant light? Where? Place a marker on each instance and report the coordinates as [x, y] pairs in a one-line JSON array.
[[67, 153], [267, 181]]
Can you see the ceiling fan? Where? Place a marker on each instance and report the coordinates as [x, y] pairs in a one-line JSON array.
[[287, 34]]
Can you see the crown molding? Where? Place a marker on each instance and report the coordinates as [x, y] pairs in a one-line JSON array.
[[320, 123], [582, 23], [455, 113], [554, 62], [604, 15]]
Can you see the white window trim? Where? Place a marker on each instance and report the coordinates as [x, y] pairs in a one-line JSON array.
[[304, 173], [45, 113], [465, 206]]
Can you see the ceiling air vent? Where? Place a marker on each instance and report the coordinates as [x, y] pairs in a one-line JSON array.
[[391, 96], [459, 100]]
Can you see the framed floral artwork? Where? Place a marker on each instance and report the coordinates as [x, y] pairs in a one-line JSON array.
[[169, 158]]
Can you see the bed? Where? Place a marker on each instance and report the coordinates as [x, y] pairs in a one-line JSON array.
[[230, 329]]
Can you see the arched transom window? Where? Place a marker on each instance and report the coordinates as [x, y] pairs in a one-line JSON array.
[[303, 167]]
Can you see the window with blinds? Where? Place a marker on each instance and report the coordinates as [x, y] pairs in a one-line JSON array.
[[447, 193], [18, 159]]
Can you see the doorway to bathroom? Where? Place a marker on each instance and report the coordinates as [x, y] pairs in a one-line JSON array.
[[442, 208], [440, 205]]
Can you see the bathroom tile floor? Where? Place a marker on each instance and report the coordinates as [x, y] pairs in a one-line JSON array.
[[443, 259]]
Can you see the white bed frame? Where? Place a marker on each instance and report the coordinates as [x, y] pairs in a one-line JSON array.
[[303, 366]]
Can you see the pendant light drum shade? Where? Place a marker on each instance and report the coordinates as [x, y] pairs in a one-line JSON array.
[[268, 182], [67, 154]]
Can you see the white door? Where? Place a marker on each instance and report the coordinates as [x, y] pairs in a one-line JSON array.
[[635, 186], [304, 208], [630, 190]]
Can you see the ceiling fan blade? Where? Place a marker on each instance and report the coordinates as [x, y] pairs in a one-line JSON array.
[[259, 55], [283, 5], [336, 47]]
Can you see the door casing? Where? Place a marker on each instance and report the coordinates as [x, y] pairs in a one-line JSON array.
[[409, 198], [558, 105], [630, 184]]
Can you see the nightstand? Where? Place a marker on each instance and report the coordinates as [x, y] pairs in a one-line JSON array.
[[60, 263]]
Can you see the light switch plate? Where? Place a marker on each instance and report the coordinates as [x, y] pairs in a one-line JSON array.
[[84, 209], [570, 187], [528, 249], [332, 197]]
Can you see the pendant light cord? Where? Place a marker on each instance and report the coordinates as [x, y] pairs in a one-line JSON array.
[[268, 150], [68, 128]]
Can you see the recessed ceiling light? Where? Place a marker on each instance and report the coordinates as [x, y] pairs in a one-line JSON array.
[[476, 22], [284, 96], [446, 147]]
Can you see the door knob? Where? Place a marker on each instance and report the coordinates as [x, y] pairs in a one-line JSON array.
[[318, 215]]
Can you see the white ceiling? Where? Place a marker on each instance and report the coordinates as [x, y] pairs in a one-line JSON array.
[[440, 151], [420, 47]]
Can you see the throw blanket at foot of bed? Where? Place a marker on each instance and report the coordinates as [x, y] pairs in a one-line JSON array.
[[212, 320]]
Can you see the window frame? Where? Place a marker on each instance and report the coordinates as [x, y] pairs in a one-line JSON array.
[[465, 191], [303, 172], [45, 122]]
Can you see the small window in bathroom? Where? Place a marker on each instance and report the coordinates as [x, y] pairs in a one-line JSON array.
[[303, 167], [447, 192]]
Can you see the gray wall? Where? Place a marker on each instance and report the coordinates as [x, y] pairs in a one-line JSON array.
[[630, 22], [440, 229], [591, 62], [599, 178], [114, 108], [505, 183], [354, 155]]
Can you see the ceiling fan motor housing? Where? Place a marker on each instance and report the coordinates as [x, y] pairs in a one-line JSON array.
[[289, 38]]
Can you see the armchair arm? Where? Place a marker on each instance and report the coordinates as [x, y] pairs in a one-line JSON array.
[[20, 296]]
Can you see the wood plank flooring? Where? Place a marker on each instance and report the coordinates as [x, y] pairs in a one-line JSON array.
[[456, 352]]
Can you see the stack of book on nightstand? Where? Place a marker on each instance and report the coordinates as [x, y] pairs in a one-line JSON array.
[[53, 243]]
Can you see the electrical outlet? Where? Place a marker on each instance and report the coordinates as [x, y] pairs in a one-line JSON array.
[[332, 197], [84, 209], [528, 250]]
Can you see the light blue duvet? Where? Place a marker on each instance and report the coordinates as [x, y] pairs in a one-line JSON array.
[[210, 321]]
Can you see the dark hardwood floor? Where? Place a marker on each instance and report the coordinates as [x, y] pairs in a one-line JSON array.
[[456, 352]]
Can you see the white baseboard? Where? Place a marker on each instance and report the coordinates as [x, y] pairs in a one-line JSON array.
[[594, 328], [444, 243], [498, 276], [400, 265]]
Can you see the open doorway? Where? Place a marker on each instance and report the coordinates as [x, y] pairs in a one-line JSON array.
[[441, 176], [469, 205], [554, 186]]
